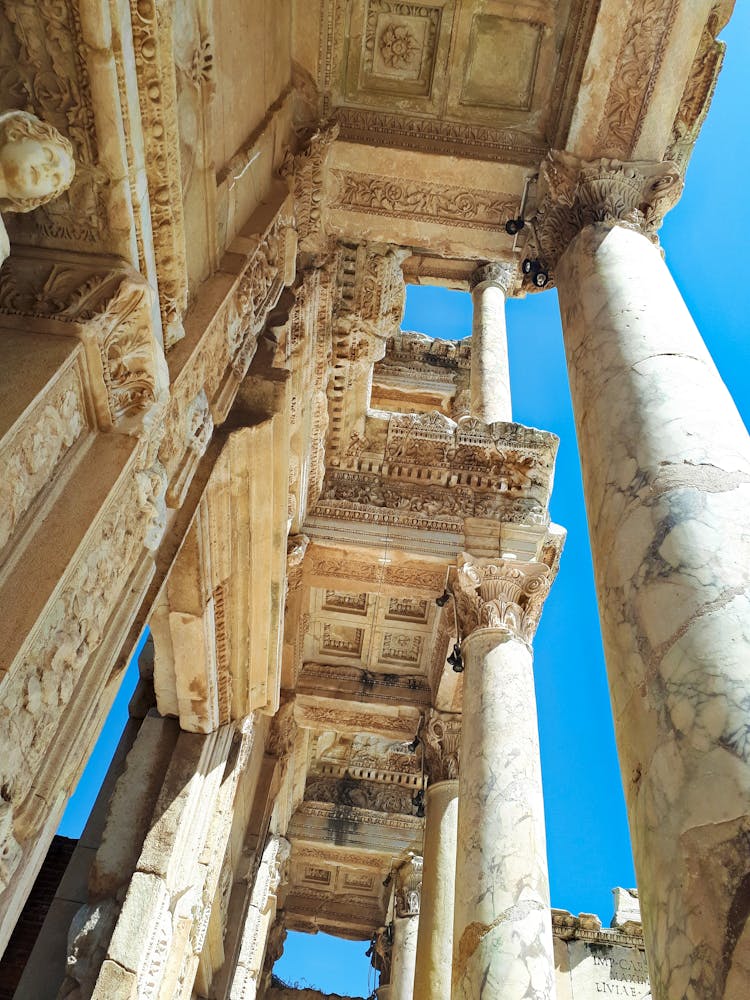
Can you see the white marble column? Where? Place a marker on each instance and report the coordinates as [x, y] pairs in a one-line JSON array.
[[502, 944], [440, 745], [666, 470], [407, 892], [490, 375]]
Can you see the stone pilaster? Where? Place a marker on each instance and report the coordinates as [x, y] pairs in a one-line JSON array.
[[440, 744], [490, 376], [666, 472], [502, 928]]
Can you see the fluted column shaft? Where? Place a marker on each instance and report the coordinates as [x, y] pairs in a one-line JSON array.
[[502, 930], [490, 374], [666, 471]]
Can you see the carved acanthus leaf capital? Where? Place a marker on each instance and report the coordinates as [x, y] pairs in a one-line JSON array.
[[574, 193], [503, 275], [441, 739], [408, 887], [501, 594]]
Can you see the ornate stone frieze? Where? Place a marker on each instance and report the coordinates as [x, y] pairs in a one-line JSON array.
[[45, 72], [154, 62], [699, 89], [221, 356], [363, 794], [441, 740], [46, 676], [408, 887], [305, 174], [500, 594], [575, 193], [109, 310], [638, 63], [422, 201], [36, 450]]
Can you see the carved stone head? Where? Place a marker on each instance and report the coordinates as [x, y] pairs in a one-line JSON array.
[[36, 162]]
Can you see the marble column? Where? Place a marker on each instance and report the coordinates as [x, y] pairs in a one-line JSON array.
[[440, 745], [407, 893], [490, 375], [502, 945], [666, 471]]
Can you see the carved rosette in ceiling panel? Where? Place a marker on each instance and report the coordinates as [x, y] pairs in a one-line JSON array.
[[497, 81]]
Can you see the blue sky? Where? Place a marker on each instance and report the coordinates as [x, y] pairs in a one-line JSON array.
[[587, 834]]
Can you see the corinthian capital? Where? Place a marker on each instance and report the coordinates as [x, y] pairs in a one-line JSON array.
[[408, 887], [441, 738], [501, 594], [574, 193], [502, 274]]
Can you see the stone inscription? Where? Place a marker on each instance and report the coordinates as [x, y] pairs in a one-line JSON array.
[[598, 971]]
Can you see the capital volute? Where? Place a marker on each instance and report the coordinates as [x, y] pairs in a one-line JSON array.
[[575, 193], [441, 743], [408, 887], [501, 594], [501, 274]]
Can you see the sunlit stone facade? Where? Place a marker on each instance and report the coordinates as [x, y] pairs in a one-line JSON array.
[[213, 426]]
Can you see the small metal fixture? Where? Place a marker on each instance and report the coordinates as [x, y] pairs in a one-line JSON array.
[[536, 270], [418, 802], [443, 599], [514, 226], [414, 743], [455, 659], [387, 880]]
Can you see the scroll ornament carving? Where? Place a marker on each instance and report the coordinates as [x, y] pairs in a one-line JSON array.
[[348, 791], [33, 457], [441, 741], [36, 166], [42, 681], [501, 594], [111, 313], [154, 60], [575, 194], [305, 173], [408, 887]]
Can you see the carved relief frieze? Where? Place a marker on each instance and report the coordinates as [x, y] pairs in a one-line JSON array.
[[638, 64], [154, 61], [421, 576], [44, 678], [305, 173], [221, 357], [363, 794], [699, 90], [38, 447], [442, 204], [501, 594], [45, 73], [109, 309]]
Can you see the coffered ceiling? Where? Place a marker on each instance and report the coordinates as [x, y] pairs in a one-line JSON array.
[[496, 79]]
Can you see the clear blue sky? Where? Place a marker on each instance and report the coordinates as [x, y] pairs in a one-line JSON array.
[[587, 837]]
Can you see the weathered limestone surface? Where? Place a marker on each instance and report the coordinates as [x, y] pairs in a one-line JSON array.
[[212, 425], [666, 468]]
